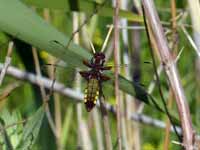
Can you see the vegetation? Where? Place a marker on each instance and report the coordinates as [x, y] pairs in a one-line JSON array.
[[42, 48]]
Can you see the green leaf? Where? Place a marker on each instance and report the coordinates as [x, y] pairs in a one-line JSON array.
[[31, 130], [10, 129], [21, 22], [85, 6], [4, 135]]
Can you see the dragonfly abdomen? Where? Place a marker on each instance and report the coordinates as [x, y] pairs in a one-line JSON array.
[[91, 93]]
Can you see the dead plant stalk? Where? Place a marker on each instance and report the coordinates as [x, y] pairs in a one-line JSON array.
[[171, 72], [116, 70]]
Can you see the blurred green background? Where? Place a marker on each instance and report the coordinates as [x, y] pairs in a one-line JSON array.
[[38, 24]]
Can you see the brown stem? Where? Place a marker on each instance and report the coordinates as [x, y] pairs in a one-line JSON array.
[[5, 92], [172, 73], [174, 26], [43, 93], [106, 126]]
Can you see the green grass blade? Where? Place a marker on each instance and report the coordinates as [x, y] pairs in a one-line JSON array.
[[31, 130], [85, 6]]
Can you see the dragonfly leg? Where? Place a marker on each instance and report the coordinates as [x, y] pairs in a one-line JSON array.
[[104, 77], [106, 68], [87, 63], [85, 74]]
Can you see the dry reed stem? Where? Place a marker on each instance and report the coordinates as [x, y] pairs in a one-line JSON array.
[[172, 73], [116, 72], [194, 7], [133, 131], [8, 90], [174, 47], [7, 61], [57, 125], [43, 93], [124, 119], [83, 135], [77, 85], [98, 129], [76, 96], [106, 125], [37, 80]]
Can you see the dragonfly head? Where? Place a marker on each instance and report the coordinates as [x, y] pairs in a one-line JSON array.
[[99, 58]]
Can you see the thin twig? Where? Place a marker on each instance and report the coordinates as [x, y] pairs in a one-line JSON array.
[[8, 90], [76, 96], [152, 122], [7, 61], [191, 41], [174, 47], [132, 27], [14, 124], [141, 27], [46, 82]]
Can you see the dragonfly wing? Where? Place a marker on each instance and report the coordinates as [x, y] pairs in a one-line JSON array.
[[85, 74]]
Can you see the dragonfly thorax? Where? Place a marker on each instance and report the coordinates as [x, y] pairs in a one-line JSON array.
[[98, 59]]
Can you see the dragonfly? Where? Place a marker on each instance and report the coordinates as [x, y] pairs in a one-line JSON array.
[[95, 78], [94, 75]]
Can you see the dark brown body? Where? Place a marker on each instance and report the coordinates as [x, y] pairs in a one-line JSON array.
[[94, 77]]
